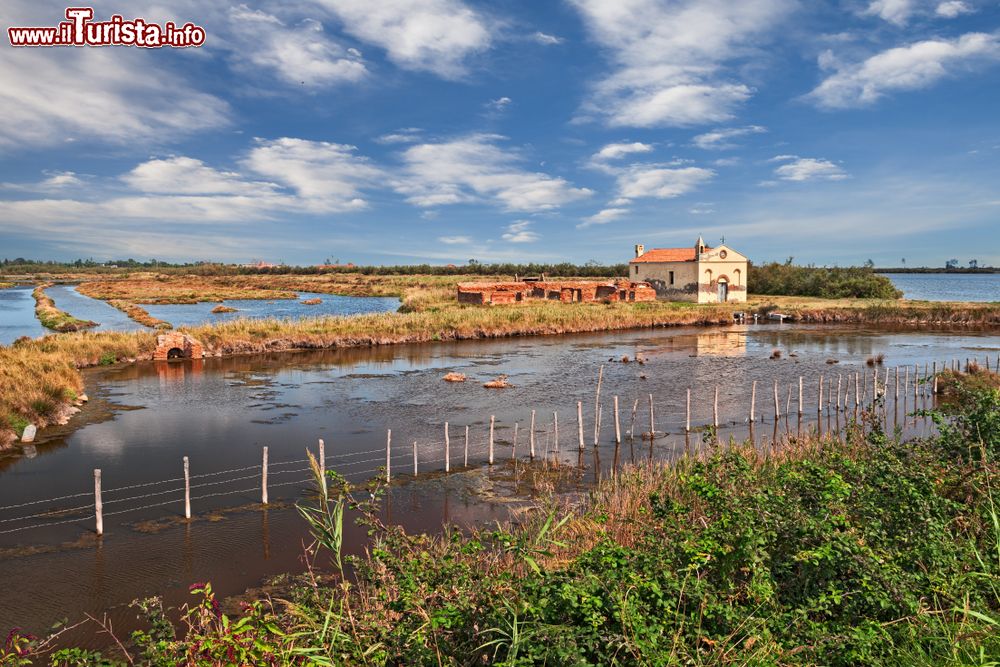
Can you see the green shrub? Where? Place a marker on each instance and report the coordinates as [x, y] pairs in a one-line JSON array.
[[828, 283]]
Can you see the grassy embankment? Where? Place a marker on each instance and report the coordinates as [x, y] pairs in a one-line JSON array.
[[4, 285], [868, 551], [53, 318]]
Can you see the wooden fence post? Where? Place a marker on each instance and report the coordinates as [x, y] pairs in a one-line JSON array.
[[579, 422], [322, 465], [263, 479], [513, 447], [715, 410], [618, 428], [187, 489], [687, 421], [414, 458], [800, 395], [531, 437], [98, 504], [777, 409], [652, 422], [466, 459], [597, 405], [492, 421], [447, 448], [753, 402], [388, 456], [555, 429]]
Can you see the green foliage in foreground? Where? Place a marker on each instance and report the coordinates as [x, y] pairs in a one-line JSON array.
[[869, 552], [786, 279]]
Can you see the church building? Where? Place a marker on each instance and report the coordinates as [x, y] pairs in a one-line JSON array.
[[700, 274]]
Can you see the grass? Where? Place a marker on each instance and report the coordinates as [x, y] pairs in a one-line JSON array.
[[866, 551], [4, 285], [139, 314], [53, 318]]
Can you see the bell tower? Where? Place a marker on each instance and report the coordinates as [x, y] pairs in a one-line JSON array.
[[699, 247]]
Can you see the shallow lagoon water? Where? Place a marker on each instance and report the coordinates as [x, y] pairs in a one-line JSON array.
[[201, 313], [220, 412], [948, 286], [17, 315]]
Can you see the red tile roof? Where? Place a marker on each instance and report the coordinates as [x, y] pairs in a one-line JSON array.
[[667, 255]]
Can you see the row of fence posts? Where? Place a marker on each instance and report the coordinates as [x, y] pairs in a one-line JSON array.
[[842, 403]]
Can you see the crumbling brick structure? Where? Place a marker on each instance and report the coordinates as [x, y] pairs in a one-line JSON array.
[[176, 345], [566, 291]]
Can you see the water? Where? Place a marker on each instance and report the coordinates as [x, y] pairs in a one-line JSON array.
[[948, 286], [17, 315], [108, 318], [201, 313], [144, 418]]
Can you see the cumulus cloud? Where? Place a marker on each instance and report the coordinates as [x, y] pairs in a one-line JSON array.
[[475, 168], [722, 138], [603, 217], [672, 57], [546, 39], [953, 8], [327, 177], [518, 232], [499, 105], [455, 240], [897, 12], [188, 176], [661, 182], [432, 35], [616, 151], [405, 135], [903, 68], [807, 169], [300, 54]]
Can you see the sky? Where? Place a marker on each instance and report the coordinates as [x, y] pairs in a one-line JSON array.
[[402, 131]]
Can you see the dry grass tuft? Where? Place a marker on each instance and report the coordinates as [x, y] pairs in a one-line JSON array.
[[454, 377], [500, 383]]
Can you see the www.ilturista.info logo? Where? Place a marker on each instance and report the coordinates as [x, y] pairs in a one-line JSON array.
[[80, 30]]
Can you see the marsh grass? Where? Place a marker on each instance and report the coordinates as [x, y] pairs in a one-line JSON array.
[[52, 318]]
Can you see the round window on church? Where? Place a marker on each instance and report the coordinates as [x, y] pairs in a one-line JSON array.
[[722, 254]]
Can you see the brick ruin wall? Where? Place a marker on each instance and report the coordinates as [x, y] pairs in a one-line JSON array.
[[189, 347], [565, 291]]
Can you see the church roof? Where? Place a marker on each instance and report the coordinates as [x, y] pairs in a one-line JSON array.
[[668, 255]]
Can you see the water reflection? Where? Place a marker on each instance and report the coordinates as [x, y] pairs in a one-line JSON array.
[[17, 315]]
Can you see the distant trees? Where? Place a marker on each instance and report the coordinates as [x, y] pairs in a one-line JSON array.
[[951, 264], [973, 263]]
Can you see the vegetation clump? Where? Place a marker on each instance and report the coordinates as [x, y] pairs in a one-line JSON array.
[[139, 314], [52, 318], [223, 309], [787, 279]]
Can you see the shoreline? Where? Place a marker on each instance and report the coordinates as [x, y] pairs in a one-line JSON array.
[[40, 379]]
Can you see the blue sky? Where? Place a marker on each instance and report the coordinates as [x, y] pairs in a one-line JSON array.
[[395, 131]]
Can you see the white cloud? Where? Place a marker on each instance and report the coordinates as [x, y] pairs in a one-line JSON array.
[[897, 12], [701, 208], [405, 135], [903, 68], [546, 39], [119, 95], [499, 104], [727, 162], [455, 240], [474, 168], [432, 35], [953, 8], [297, 55], [517, 232], [615, 151], [671, 57], [327, 177], [809, 169], [603, 217], [721, 139], [661, 182], [188, 176]]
